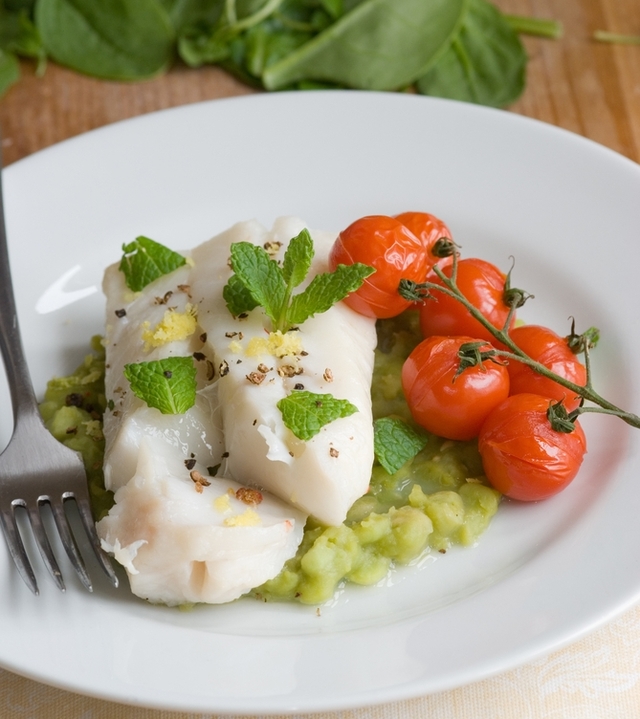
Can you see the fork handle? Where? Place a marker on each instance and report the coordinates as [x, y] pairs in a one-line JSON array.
[[23, 397]]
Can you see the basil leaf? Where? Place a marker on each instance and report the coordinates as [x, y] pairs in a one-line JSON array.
[[111, 39], [168, 384], [379, 45], [484, 64], [306, 413], [145, 260], [325, 290], [395, 443]]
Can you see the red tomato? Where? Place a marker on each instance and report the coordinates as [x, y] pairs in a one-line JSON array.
[[483, 285], [450, 406], [523, 457], [551, 350], [427, 228], [395, 252]]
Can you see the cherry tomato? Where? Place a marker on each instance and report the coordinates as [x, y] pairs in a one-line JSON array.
[[483, 285], [523, 457], [446, 405], [395, 252], [551, 350], [427, 228]]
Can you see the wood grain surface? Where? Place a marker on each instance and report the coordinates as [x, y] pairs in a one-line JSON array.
[[576, 83]]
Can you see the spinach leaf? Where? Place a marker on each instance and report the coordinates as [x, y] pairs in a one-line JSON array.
[[485, 63], [9, 70], [379, 45], [111, 39], [20, 36], [188, 13]]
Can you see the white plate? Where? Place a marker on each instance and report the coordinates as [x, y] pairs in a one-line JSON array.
[[543, 575]]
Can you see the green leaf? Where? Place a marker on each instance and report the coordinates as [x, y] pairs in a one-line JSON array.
[[168, 385], [185, 13], [395, 443], [261, 276], [237, 297], [306, 413], [18, 35], [484, 64], [297, 259], [326, 289], [379, 45], [111, 39], [145, 260], [9, 70]]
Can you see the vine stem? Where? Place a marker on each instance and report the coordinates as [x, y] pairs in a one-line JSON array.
[[513, 352]]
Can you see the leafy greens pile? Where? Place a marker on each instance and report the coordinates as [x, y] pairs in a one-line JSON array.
[[461, 49]]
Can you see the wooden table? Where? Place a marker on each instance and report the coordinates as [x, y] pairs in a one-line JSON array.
[[588, 87]]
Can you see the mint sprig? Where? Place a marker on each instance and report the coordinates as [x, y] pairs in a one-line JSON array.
[[395, 443], [261, 281], [306, 413], [144, 260], [168, 384]]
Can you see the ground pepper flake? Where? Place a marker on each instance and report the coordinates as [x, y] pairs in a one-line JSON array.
[[289, 370], [256, 377], [189, 463], [334, 452], [121, 313], [199, 480], [328, 375], [224, 368], [199, 356], [249, 496]]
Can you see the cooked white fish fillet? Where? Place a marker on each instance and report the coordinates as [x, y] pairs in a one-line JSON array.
[[180, 545], [331, 353], [165, 309], [180, 540]]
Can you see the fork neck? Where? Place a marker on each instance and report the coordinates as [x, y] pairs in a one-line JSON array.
[[23, 397]]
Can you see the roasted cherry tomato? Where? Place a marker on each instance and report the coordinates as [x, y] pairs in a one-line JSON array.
[[523, 456], [451, 406], [551, 350], [394, 251], [483, 285], [427, 228]]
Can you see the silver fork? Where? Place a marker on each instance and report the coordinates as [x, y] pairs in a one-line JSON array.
[[37, 471]]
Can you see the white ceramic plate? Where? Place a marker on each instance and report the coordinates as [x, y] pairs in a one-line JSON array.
[[543, 575]]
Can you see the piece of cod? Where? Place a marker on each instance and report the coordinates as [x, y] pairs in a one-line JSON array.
[[332, 352], [181, 540]]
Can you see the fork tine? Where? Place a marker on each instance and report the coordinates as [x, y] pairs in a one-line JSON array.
[[45, 546], [69, 543], [16, 548], [84, 509]]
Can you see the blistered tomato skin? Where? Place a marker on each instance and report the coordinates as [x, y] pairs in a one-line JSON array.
[[427, 228], [394, 251], [522, 455], [551, 350], [446, 405], [483, 286]]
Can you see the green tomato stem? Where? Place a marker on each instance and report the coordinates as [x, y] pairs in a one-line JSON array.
[[514, 353]]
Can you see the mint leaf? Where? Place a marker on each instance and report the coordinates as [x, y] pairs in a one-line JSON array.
[[261, 276], [325, 290], [306, 413], [297, 259], [145, 260], [395, 443], [237, 297], [168, 384]]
